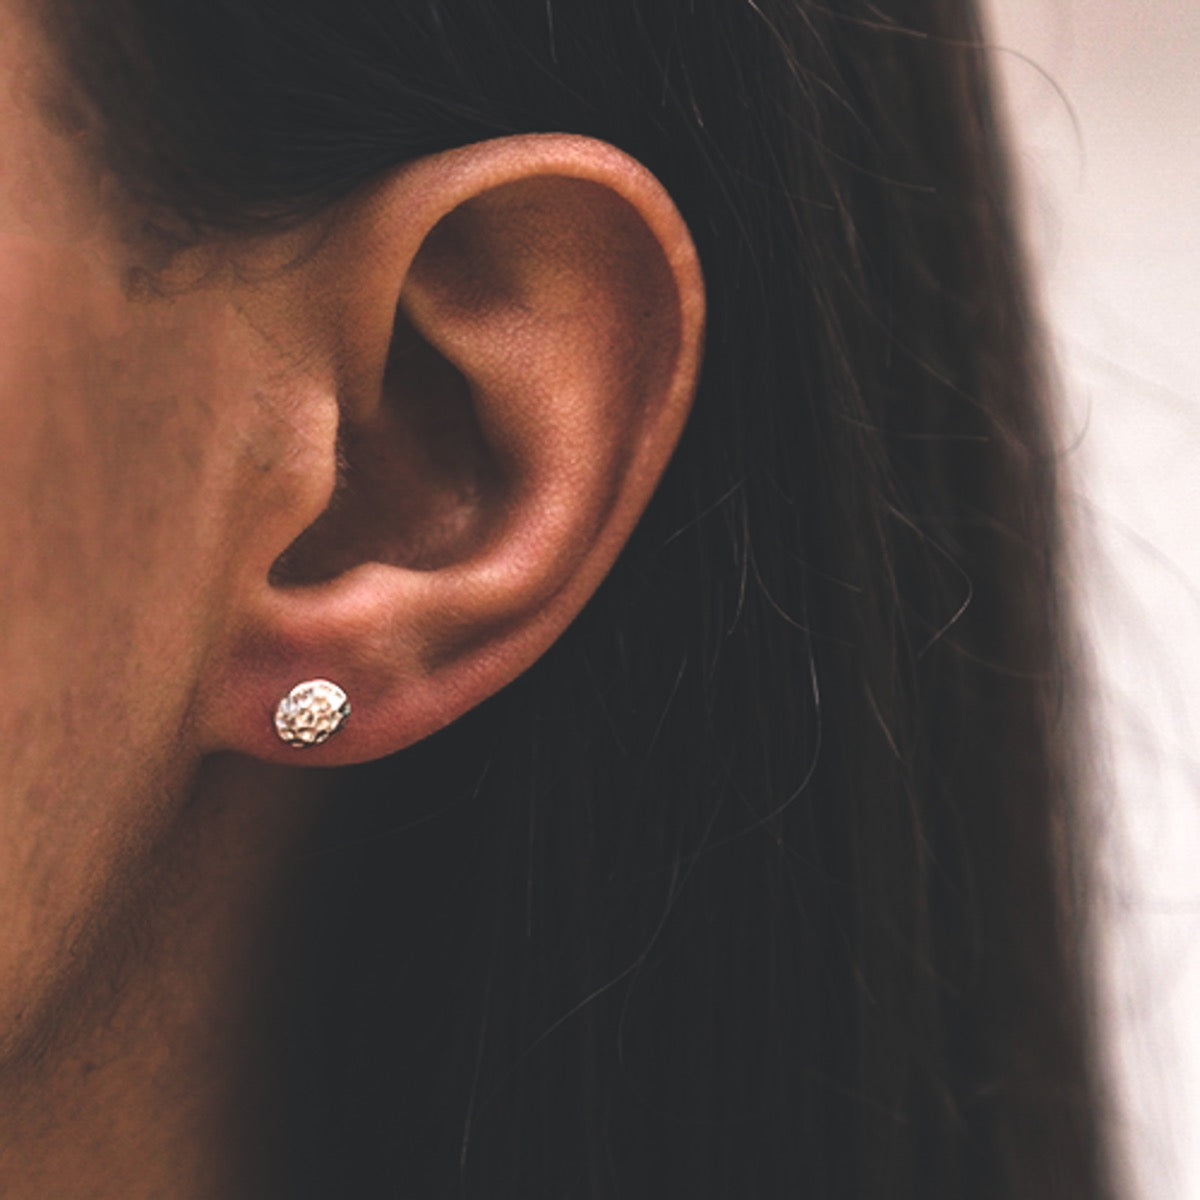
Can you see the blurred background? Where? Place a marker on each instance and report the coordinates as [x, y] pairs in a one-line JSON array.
[[1104, 106]]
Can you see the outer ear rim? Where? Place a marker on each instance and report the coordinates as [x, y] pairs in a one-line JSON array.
[[282, 643]]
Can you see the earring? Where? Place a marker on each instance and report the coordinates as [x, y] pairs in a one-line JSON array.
[[311, 713]]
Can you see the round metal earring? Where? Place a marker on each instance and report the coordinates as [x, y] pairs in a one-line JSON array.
[[311, 713]]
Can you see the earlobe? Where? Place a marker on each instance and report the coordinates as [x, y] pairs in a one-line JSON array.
[[515, 329]]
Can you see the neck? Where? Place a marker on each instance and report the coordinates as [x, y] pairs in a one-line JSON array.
[[158, 1089]]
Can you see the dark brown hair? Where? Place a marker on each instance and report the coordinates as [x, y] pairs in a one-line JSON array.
[[766, 880]]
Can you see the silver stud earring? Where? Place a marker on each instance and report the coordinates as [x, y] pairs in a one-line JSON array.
[[311, 713]]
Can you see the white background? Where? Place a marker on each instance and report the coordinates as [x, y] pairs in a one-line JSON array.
[[1104, 104]]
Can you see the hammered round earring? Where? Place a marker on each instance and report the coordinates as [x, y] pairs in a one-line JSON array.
[[311, 713]]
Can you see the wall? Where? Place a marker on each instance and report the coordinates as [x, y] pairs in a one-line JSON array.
[[1104, 98]]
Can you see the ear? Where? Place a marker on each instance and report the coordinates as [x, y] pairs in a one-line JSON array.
[[500, 348]]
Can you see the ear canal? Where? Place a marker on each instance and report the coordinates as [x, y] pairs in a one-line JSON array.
[[417, 482]]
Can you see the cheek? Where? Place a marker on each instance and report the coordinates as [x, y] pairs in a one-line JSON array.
[[101, 473], [105, 552]]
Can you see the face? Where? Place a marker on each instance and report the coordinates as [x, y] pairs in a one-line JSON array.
[[168, 435], [118, 473]]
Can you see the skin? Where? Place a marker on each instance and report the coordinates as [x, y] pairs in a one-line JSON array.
[[507, 386]]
